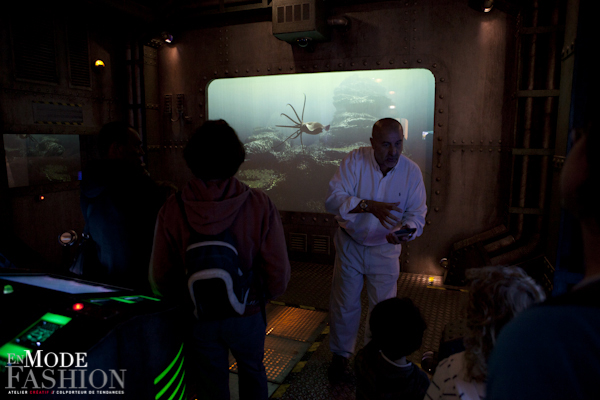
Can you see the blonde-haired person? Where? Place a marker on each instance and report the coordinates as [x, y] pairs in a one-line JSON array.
[[496, 295]]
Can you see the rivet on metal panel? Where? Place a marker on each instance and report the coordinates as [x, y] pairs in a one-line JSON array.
[[441, 111], [438, 179], [439, 152], [247, 70], [429, 222], [437, 192], [291, 67], [391, 61], [439, 139], [436, 209], [315, 66], [236, 71], [364, 63], [463, 150], [378, 62], [315, 219], [215, 72], [439, 165], [257, 69], [442, 80], [326, 219], [340, 65], [280, 68], [419, 61], [269, 68], [434, 65], [405, 62], [490, 150], [226, 71], [454, 141]]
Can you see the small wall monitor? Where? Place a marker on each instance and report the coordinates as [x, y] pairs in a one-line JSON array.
[[38, 159]]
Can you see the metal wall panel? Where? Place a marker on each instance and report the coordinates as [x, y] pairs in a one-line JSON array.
[[468, 52]]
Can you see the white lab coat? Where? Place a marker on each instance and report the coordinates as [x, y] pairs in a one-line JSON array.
[[361, 246]]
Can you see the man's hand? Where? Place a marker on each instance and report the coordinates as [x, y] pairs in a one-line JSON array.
[[383, 212], [393, 239]]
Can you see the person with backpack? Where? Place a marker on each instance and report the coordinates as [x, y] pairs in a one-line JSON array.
[[219, 247]]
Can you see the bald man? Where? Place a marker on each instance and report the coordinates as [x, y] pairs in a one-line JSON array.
[[375, 192]]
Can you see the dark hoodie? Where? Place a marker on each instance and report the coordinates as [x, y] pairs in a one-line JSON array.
[[378, 379], [120, 202], [211, 208]]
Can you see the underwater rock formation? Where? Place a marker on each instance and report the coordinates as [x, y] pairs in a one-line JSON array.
[[282, 167]]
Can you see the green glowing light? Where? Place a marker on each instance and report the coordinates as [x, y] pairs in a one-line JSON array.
[[122, 300], [182, 392], [166, 371], [56, 319], [149, 298], [168, 385], [178, 386]]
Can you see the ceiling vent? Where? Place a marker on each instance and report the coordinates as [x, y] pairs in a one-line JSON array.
[[300, 21]]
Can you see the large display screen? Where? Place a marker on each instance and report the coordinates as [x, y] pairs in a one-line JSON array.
[[297, 128], [37, 159], [58, 284]]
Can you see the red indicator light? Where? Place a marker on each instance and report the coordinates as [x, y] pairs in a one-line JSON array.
[[77, 306]]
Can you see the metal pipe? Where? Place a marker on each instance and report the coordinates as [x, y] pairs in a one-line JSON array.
[[499, 244], [512, 256]]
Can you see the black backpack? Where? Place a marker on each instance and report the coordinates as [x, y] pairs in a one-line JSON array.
[[217, 285]]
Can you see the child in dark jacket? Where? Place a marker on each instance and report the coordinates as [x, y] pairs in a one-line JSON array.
[[382, 371]]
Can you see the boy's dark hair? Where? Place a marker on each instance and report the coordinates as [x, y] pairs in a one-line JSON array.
[[214, 151], [112, 132], [397, 327]]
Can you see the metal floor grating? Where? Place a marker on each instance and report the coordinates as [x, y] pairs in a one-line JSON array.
[[293, 357], [437, 306], [294, 323], [290, 333]]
